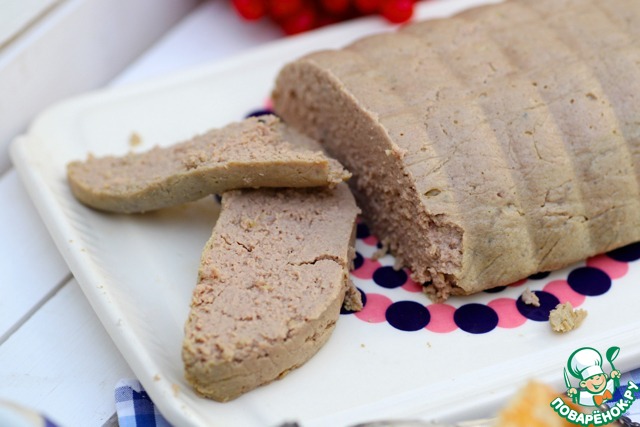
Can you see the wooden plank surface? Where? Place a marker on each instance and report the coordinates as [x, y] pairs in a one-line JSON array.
[[31, 268], [99, 37], [17, 15], [62, 362]]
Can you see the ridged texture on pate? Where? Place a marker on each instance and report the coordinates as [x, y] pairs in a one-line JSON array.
[[488, 146], [272, 280], [257, 152]]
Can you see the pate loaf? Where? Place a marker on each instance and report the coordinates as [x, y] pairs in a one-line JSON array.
[[489, 146], [272, 279], [257, 152]]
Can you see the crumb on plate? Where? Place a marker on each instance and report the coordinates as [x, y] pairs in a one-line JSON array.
[[565, 318], [380, 252], [135, 139], [530, 298]]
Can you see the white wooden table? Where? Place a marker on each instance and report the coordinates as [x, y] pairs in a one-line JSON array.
[[55, 356]]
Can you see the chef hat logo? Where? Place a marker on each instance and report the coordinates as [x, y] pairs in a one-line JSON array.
[[585, 363]]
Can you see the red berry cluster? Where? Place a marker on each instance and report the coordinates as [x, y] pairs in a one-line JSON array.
[[296, 16]]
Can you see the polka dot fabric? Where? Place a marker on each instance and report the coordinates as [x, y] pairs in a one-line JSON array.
[[391, 297]]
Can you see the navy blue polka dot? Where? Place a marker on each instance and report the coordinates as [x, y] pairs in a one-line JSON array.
[[540, 276], [358, 261], [379, 245], [362, 231], [495, 290], [364, 302], [589, 281], [540, 314], [389, 278], [476, 318], [626, 253], [258, 113], [408, 315]]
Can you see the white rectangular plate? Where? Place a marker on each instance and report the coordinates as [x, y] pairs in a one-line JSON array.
[[138, 271]]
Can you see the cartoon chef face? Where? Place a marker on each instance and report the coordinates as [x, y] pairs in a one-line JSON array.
[[586, 364], [595, 384]]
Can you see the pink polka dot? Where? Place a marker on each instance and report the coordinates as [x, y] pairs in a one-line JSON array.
[[508, 314], [268, 104], [370, 240], [615, 269], [562, 291], [410, 285], [367, 269], [441, 318], [518, 283], [374, 309]]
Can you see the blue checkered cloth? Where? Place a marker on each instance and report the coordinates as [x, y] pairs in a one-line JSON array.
[[135, 408], [634, 411]]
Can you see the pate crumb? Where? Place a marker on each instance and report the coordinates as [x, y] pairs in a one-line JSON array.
[[530, 298], [380, 252], [352, 299], [176, 389], [135, 139], [564, 318]]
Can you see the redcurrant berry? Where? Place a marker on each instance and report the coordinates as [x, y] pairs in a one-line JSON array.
[[335, 7], [303, 20], [280, 9], [367, 6], [397, 11], [250, 9]]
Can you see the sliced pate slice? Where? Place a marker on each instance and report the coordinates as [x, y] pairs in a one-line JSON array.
[[272, 279], [257, 152]]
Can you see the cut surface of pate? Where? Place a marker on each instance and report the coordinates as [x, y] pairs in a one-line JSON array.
[[271, 282], [257, 152], [489, 146]]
